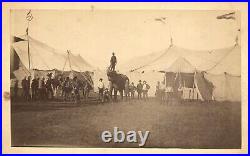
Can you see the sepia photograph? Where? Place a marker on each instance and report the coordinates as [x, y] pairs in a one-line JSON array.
[[125, 78]]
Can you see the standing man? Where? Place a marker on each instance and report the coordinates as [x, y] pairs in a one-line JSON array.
[[28, 87], [132, 90], [101, 89], [113, 62], [33, 89], [139, 89], [76, 90], [145, 89], [49, 86]]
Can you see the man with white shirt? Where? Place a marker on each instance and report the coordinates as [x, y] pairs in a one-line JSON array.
[[101, 89]]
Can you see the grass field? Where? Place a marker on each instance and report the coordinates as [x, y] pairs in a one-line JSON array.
[[186, 125]]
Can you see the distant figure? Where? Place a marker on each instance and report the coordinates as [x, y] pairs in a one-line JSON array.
[[16, 90], [113, 62], [126, 89], [55, 84], [28, 87], [101, 89], [24, 87], [145, 89], [66, 89], [49, 87], [157, 90], [86, 90], [106, 96], [132, 89], [40, 88], [139, 89], [34, 87], [76, 90]]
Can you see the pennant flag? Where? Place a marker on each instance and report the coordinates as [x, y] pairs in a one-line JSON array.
[[227, 16], [161, 19], [29, 16]]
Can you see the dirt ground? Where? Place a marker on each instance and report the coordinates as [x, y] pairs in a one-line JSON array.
[[175, 125]]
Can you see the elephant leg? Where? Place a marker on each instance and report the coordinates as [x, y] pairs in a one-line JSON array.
[[121, 93], [110, 93], [115, 94]]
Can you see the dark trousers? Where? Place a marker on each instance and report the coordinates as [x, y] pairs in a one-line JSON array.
[[101, 94], [34, 95], [112, 67], [50, 93], [139, 95]]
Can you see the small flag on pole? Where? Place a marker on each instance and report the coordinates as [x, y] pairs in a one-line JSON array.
[[29, 16], [161, 19], [227, 16]]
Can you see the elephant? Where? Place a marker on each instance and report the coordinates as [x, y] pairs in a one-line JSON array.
[[116, 83]]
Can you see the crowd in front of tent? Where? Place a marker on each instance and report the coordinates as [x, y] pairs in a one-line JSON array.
[[130, 90], [51, 88]]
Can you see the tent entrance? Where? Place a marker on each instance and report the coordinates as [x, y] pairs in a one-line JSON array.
[[189, 86]]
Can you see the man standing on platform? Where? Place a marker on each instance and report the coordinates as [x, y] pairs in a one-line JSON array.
[[113, 62]]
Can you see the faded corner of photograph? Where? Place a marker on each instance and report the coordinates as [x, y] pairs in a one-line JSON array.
[[126, 78]]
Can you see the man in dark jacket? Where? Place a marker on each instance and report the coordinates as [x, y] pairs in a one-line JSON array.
[[113, 62], [139, 89]]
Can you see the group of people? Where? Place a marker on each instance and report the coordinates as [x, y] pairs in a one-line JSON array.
[[140, 88], [52, 88], [129, 92]]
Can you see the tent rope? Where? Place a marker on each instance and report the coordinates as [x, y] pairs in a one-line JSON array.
[[148, 64], [83, 74]]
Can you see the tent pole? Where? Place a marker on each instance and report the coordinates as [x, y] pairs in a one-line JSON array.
[[69, 61], [28, 44]]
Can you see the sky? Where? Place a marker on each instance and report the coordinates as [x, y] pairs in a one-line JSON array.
[[129, 33]]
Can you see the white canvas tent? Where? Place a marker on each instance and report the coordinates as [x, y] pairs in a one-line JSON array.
[[219, 61], [44, 59]]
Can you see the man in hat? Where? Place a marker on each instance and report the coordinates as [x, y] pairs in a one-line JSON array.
[[101, 89], [139, 89], [113, 62]]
